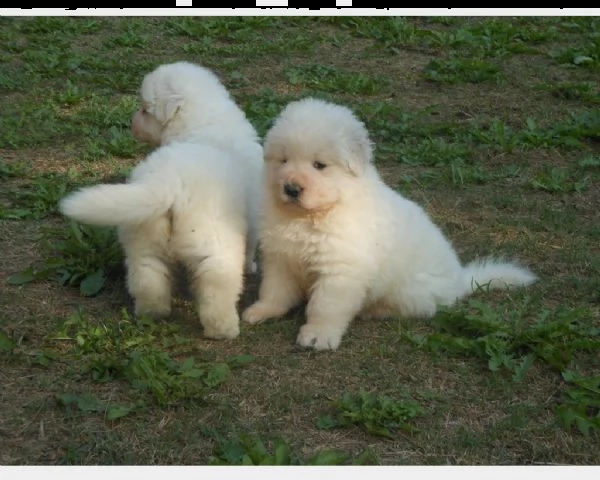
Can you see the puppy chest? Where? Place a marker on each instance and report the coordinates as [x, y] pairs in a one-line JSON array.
[[309, 253], [297, 244]]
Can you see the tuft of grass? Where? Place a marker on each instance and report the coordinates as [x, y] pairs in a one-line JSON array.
[[457, 70], [586, 55], [12, 170], [116, 141], [377, 414], [78, 256], [35, 123], [323, 78], [434, 152], [390, 32], [512, 341], [145, 354], [89, 403], [580, 404], [36, 199], [247, 449], [559, 180], [262, 108], [507, 339], [51, 25], [574, 178], [586, 92], [7, 344]]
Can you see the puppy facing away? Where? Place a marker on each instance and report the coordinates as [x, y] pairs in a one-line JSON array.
[[334, 234], [194, 200]]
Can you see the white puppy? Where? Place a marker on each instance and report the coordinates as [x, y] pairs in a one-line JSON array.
[[194, 200], [337, 236]]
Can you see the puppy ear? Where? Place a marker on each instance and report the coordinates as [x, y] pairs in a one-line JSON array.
[[168, 108], [358, 155]]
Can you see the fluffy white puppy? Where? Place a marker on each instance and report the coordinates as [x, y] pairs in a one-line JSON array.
[[194, 200], [336, 235]]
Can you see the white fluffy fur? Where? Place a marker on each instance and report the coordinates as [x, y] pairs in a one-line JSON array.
[[343, 240], [194, 200]]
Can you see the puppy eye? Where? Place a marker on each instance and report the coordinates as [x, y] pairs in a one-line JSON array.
[[283, 160], [319, 165]]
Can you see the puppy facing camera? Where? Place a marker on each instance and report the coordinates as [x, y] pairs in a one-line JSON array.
[[336, 236]]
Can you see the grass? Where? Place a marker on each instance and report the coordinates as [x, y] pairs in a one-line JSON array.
[[490, 123], [80, 255], [378, 414], [508, 342], [246, 449], [117, 349]]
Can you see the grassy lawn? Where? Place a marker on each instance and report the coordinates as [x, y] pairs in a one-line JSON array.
[[492, 124]]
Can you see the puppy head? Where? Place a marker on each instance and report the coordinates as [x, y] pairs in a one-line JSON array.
[[176, 98], [314, 153], [146, 126]]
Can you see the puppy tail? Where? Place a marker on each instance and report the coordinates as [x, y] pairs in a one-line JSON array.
[[495, 274], [118, 204]]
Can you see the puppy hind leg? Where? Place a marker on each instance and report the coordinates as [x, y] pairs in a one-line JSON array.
[[421, 297], [279, 292], [333, 304], [149, 283], [217, 284]]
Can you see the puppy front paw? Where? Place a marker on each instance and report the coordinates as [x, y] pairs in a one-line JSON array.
[[156, 310], [220, 332], [257, 313], [219, 323], [319, 337]]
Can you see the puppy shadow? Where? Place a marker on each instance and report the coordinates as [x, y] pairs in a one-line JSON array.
[[184, 312], [185, 316]]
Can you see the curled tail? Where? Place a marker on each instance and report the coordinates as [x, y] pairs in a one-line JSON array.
[[492, 273], [118, 204]]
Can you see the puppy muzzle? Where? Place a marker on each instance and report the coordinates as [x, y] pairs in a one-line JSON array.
[[293, 190]]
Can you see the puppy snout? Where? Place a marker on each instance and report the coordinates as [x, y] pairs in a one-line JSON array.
[[292, 190]]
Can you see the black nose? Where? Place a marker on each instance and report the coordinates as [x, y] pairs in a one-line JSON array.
[[292, 190]]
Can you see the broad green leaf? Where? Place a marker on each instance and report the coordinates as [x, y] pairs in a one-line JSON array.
[[255, 448], [117, 411], [328, 457], [368, 457], [26, 276], [282, 453], [583, 424], [217, 375], [83, 402], [6, 343], [187, 364], [326, 422], [93, 283], [521, 370], [193, 373], [239, 360]]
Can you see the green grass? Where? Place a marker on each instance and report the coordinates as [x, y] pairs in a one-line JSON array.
[[247, 449], [461, 70], [379, 415], [512, 340], [491, 124], [328, 79], [584, 91], [142, 353], [79, 255]]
